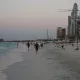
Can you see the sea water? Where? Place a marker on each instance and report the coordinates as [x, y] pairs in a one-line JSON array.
[[5, 47]]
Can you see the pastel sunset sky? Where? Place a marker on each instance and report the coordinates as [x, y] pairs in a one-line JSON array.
[[30, 19]]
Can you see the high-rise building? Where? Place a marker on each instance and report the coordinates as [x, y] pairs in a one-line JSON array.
[[75, 11], [69, 26], [72, 22], [61, 33], [78, 25]]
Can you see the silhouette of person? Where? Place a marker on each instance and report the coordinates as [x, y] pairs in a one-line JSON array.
[[36, 47], [41, 44], [28, 45]]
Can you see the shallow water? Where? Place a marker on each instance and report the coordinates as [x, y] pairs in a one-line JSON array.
[[5, 47], [9, 54]]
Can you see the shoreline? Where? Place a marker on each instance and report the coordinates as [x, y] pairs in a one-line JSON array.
[[13, 56]]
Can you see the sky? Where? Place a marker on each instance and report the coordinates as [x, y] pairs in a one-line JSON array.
[[30, 19]]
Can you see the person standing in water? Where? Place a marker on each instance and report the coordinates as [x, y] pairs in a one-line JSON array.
[[36, 47], [28, 45]]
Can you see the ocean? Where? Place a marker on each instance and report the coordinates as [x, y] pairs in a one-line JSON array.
[[5, 47]]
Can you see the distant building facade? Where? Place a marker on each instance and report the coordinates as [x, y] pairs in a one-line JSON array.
[[61, 33], [78, 25], [69, 25]]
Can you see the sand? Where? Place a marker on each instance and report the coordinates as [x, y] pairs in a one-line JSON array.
[[51, 63]]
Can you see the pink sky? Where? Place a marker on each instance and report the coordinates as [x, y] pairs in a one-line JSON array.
[[33, 15]]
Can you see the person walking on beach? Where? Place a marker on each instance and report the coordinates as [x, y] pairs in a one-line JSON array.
[[17, 44], [36, 47], [41, 44], [62, 46], [72, 44], [28, 45]]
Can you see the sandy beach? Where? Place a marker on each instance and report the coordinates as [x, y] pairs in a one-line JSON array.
[[51, 63]]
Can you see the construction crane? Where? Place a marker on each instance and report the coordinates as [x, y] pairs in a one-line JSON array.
[[75, 18]]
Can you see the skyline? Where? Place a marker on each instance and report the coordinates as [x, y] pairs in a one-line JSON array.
[[30, 19]]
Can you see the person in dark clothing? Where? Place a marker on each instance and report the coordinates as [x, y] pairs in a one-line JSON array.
[[36, 47], [63, 47], [72, 44], [28, 45], [41, 44]]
